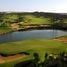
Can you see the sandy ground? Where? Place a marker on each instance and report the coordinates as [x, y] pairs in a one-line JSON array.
[[11, 58], [62, 39]]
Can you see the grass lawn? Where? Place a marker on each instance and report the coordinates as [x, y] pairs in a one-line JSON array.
[[4, 30], [34, 45], [31, 19]]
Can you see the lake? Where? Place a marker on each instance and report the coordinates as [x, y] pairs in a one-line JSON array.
[[32, 34]]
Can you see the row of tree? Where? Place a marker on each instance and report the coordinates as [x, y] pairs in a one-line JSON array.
[[56, 20]]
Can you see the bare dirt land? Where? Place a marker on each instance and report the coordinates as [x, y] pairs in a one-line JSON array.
[[11, 58], [62, 39]]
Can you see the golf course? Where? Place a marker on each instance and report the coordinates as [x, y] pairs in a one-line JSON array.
[[23, 34], [41, 46]]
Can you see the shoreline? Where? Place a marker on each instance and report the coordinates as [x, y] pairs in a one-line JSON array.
[[33, 28], [6, 32]]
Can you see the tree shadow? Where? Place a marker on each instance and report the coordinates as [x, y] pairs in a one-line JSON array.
[[29, 63]]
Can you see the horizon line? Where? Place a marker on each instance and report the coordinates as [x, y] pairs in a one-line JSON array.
[[32, 11]]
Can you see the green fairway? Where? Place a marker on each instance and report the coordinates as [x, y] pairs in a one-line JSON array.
[[35, 45], [40, 46], [31, 19]]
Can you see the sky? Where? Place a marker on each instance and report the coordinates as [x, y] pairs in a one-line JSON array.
[[58, 6]]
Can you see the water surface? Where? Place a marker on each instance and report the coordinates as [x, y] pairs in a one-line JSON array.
[[33, 34]]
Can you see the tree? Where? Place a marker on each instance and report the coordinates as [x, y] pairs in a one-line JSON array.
[[36, 59], [20, 19], [46, 55], [57, 22], [10, 18]]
